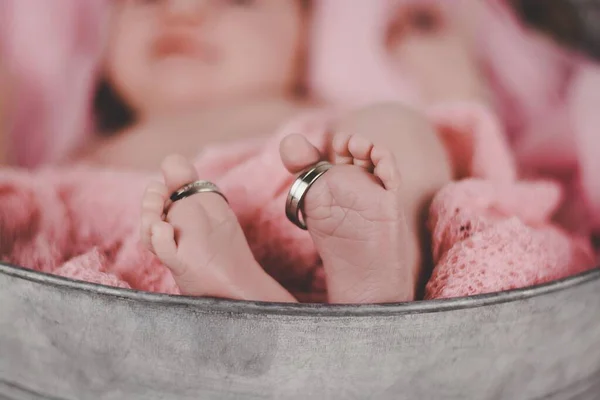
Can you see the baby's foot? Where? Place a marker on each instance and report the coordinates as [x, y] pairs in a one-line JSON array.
[[355, 216], [201, 241]]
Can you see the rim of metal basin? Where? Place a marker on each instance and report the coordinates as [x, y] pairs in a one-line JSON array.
[[213, 306]]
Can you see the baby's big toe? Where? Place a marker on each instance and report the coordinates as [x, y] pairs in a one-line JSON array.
[[177, 172], [297, 153]]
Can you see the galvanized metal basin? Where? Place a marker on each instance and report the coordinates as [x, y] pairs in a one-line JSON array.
[[62, 339]]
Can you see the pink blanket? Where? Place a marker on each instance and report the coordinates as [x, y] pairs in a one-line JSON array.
[[545, 96], [83, 223], [489, 233]]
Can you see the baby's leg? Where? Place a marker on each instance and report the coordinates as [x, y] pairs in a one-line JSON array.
[[202, 243], [367, 227]]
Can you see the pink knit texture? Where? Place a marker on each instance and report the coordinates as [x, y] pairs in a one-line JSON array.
[[494, 232], [83, 223], [490, 237]]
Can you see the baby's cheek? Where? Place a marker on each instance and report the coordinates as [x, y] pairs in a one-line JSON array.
[[275, 40], [129, 61]]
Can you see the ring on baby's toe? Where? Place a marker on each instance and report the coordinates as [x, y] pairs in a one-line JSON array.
[[191, 189], [295, 198]]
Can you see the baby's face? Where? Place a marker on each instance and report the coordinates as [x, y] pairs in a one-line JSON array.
[[173, 54]]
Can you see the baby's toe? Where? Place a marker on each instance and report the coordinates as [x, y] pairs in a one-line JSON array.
[[297, 153], [153, 203], [386, 168], [162, 238], [177, 172], [360, 148], [341, 152]]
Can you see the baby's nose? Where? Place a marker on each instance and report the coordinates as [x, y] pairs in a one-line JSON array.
[[187, 10]]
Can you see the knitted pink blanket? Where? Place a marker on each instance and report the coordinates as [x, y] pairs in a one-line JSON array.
[[490, 232]]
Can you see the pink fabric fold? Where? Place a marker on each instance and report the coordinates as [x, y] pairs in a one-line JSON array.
[[490, 237], [494, 232], [52, 50], [583, 109]]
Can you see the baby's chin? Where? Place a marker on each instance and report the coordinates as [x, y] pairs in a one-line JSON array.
[[178, 96], [176, 84], [181, 71]]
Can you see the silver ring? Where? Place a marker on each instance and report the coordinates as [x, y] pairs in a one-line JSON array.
[[295, 198], [191, 189]]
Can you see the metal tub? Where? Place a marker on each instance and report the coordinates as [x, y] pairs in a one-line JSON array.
[[62, 339]]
